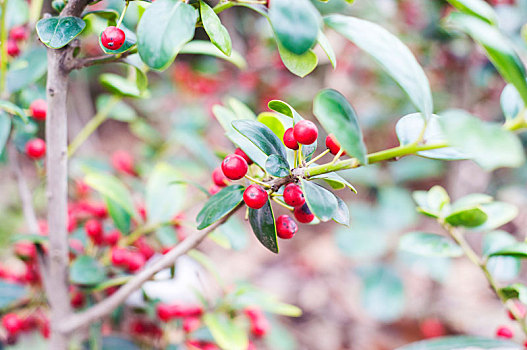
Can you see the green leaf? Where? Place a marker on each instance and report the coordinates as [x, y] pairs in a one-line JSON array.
[[394, 57], [409, 129], [488, 144], [277, 166], [226, 332], [252, 151], [470, 217], [274, 123], [108, 14], [517, 250], [165, 27], [478, 8], [382, 294], [246, 295], [112, 188], [117, 343], [201, 47], [217, 33], [32, 237], [86, 271], [27, 68], [119, 110], [13, 109], [336, 181], [429, 244], [502, 268], [322, 203], [499, 49], [295, 23], [515, 291], [338, 117], [342, 215], [511, 102], [328, 49], [57, 32], [261, 136], [219, 205], [164, 198], [17, 13], [433, 201], [121, 218], [499, 213], [5, 129], [460, 342], [285, 109], [300, 65], [133, 86], [129, 42], [264, 226], [11, 292]]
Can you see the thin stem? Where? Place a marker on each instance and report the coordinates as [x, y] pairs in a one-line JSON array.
[[257, 181], [337, 156], [92, 125], [3, 47], [282, 204], [122, 14], [317, 157], [35, 10]]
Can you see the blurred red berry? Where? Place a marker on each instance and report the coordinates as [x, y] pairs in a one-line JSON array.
[[520, 310], [219, 178], [38, 109], [19, 33], [35, 148], [135, 261], [119, 256], [242, 154], [12, 48], [333, 145], [123, 162], [12, 323], [112, 237], [214, 189], [504, 332], [94, 230], [190, 324], [432, 328]]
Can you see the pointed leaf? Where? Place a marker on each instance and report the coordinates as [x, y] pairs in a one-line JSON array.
[[264, 226], [320, 201], [277, 166], [217, 33], [219, 205], [261, 136], [112, 188], [86, 271]]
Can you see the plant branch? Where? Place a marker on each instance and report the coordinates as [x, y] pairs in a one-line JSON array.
[[103, 308], [92, 61]]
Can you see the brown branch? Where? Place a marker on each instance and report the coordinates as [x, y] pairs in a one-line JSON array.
[[92, 61], [103, 308]]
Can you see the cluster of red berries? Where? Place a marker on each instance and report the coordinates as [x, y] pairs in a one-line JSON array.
[[15, 324], [504, 331], [304, 132], [259, 323], [16, 35], [113, 38], [36, 147]]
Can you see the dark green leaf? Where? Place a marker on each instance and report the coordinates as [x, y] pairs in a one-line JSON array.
[[502, 268], [338, 117], [261, 136], [460, 342], [429, 244], [295, 23], [396, 59], [219, 205], [264, 227], [226, 332], [515, 291], [217, 33], [499, 49], [488, 144], [11, 292], [165, 27], [322, 203], [112, 188], [164, 198], [57, 32], [277, 166], [86, 271], [120, 217], [470, 217], [517, 250]]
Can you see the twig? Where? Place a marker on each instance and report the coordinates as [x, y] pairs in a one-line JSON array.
[[92, 61]]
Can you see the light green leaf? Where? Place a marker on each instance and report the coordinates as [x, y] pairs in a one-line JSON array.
[[201, 47], [429, 244], [478, 8], [164, 198], [217, 33], [226, 332], [112, 188]]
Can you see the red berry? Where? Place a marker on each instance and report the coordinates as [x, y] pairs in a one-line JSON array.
[[243, 155], [94, 230], [12, 323], [144, 248], [260, 327], [12, 48], [135, 261], [113, 38], [234, 167], [333, 144], [289, 140], [18, 33], [504, 332], [305, 132], [77, 299], [81, 188], [286, 227], [26, 251], [303, 214], [72, 223], [520, 309], [253, 313], [219, 178], [214, 189], [255, 196], [36, 148], [119, 256], [190, 311], [293, 195], [165, 312], [38, 109], [432, 328], [112, 237], [123, 162], [190, 324]]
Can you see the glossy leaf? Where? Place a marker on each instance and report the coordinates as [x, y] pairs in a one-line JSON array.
[[409, 129], [429, 244], [226, 332], [322, 203], [328, 49], [57, 32], [471, 217], [164, 197], [264, 227], [284, 108], [300, 65], [261, 136], [5, 129], [133, 86], [217, 33], [488, 144], [394, 57], [336, 181], [13, 109], [478, 8], [86, 271], [295, 23], [382, 294], [274, 123], [433, 201], [499, 49], [201, 47], [342, 215], [112, 188], [219, 205], [460, 342], [165, 27], [277, 166], [338, 117], [502, 268], [11, 292], [120, 217], [517, 250]]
